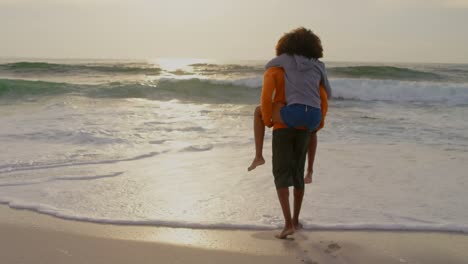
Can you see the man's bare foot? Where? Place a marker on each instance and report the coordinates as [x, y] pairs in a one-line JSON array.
[[308, 177], [256, 162], [297, 225], [285, 233]]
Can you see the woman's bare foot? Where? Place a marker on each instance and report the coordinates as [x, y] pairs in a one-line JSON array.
[[256, 162], [308, 177], [285, 233]]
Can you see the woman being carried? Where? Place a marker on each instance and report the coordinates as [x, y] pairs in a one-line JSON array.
[[306, 90]]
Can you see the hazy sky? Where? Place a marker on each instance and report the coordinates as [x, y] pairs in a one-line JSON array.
[[351, 30]]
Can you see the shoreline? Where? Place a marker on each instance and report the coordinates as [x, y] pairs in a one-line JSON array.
[[227, 227], [29, 237]]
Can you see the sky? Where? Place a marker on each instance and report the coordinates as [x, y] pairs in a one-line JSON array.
[[351, 30]]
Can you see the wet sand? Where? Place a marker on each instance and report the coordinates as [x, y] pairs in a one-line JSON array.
[[28, 237]]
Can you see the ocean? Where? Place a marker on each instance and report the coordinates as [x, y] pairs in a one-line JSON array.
[[167, 142]]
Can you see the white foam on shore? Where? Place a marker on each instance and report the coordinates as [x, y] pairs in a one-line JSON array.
[[226, 226], [368, 191]]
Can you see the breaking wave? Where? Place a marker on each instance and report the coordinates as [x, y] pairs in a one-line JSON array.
[[401, 73], [55, 68], [383, 72], [241, 91]]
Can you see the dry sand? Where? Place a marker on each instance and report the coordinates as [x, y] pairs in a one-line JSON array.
[[28, 237]]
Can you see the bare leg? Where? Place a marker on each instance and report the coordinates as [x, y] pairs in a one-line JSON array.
[[311, 157], [298, 195], [283, 197], [259, 135]]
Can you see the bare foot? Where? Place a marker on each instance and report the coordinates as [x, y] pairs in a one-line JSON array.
[[285, 233], [298, 226], [256, 162], [308, 177]]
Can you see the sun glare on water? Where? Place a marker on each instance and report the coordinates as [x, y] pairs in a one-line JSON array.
[[174, 64]]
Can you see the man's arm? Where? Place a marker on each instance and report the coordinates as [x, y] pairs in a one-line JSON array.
[[325, 82]]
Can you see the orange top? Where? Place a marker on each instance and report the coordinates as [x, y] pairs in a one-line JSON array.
[[273, 91]]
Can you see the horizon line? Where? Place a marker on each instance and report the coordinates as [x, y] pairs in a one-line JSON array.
[[217, 59]]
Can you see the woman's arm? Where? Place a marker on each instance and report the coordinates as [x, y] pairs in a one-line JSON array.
[[266, 100]]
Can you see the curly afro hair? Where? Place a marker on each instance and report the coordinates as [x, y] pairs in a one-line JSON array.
[[300, 41]]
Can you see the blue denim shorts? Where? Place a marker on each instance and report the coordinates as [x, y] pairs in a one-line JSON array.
[[296, 115]]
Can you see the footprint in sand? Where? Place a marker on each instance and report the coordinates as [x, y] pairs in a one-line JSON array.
[[332, 248]]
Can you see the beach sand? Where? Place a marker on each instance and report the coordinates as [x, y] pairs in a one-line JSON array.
[[28, 237]]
